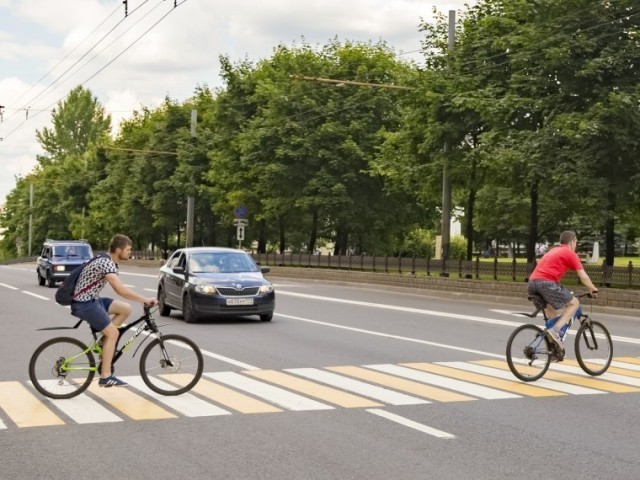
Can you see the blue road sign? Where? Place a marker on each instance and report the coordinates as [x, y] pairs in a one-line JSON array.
[[240, 211]]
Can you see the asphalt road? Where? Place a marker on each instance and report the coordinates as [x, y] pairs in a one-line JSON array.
[[323, 392]]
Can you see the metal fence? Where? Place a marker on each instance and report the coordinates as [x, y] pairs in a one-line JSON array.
[[628, 276]]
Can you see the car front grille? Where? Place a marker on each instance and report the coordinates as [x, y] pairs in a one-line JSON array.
[[233, 292]]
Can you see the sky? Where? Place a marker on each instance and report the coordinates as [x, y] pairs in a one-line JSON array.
[[48, 47]]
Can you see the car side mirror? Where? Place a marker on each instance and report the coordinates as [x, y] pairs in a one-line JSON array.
[[178, 269], [265, 269]]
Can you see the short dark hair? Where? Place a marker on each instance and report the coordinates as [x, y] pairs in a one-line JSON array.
[[567, 237], [119, 241]]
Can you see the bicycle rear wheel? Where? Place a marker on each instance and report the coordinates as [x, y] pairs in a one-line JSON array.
[[171, 365], [62, 368], [528, 353], [594, 349]]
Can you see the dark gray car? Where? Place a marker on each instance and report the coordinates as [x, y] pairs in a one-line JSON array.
[[59, 258], [214, 282]]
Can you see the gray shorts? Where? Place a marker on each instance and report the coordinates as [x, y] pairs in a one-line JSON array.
[[95, 312], [553, 293]]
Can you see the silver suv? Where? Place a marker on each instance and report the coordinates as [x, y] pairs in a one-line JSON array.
[[59, 258]]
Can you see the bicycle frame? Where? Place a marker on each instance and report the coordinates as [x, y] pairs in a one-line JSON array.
[[145, 322]]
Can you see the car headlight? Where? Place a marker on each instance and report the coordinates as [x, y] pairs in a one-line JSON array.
[[206, 288], [58, 268], [266, 289]]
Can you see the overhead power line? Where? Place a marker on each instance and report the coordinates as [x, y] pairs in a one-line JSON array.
[[350, 82]]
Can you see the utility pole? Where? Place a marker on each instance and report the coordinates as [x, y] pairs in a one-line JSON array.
[[190, 199], [30, 215], [446, 181]]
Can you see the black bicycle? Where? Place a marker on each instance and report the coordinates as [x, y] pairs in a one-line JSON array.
[[530, 351], [64, 367]]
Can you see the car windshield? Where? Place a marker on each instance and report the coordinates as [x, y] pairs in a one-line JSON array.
[[221, 263], [83, 251]]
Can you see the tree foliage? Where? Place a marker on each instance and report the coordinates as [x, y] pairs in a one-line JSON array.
[[537, 102]]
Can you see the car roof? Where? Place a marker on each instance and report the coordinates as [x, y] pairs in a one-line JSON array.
[[62, 242], [190, 250]]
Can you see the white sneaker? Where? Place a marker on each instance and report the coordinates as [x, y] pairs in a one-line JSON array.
[[555, 337]]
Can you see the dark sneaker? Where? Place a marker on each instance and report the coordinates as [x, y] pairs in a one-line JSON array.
[[112, 382], [555, 339]]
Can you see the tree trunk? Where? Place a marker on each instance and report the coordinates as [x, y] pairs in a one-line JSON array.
[[314, 232], [282, 235], [469, 214], [533, 222], [610, 246], [262, 237]]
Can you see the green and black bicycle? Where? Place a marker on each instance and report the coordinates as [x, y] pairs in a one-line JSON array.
[[64, 367]]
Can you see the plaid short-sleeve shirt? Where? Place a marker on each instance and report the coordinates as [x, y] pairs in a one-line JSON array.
[[95, 271]]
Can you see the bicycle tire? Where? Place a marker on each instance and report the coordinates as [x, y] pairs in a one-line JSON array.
[[50, 379], [594, 349], [184, 370], [528, 353]]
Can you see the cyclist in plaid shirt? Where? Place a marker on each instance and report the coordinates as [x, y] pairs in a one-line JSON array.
[[105, 314]]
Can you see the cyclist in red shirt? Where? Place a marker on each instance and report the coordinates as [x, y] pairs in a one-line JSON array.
[[545, 281]]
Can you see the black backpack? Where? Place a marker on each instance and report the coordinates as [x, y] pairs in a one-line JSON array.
[[65, 293]]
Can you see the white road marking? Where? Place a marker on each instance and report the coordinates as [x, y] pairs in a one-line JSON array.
[[435, 313], [398, 308], [186, 403], [276, 395], [84, 409], [381, 394], [35, 295], [396, 337], [543, 382], [10, 287], [445, 382], [410, 423]]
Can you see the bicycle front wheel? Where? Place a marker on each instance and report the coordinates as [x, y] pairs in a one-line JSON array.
[[171, 365], [528, 353], [594, 349], [62, 368]]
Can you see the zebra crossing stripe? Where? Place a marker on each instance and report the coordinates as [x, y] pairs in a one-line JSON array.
[[605, 378], [278, 396], [633, 360], [84, 410], [614, 368], [186, 404], [450, 383], [24, 408], [567, 375], [404, 385], [383, 395], [496, 368], [509, 385], [321, 392], [132, 405], [224, 396], [625, 368]]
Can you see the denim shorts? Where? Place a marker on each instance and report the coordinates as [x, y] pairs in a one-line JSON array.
[[553, 293], [94, 312]]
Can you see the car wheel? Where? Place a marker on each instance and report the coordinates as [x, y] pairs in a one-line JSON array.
[[164, 309], [41, 280], [266, 317], [187, 310], [51, 281]]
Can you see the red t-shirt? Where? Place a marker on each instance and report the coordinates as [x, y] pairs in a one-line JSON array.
[[555, 263]]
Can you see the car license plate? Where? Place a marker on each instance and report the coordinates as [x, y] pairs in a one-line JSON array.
[[239, 301]]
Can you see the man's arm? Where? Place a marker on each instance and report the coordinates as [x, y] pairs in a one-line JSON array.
[[586, 281], [126, 292]]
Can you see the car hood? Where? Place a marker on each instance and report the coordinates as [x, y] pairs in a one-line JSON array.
[[243, 279]]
